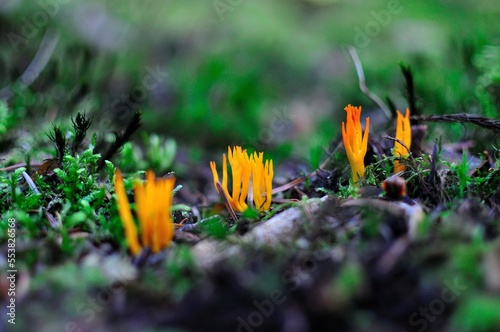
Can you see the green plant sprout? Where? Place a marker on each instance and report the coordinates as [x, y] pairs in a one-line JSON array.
[[158, 153], [463, 180]]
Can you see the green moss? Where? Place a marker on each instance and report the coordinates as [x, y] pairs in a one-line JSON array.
[[478, 313]]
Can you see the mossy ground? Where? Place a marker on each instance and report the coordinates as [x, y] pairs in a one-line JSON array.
[[169, 87]]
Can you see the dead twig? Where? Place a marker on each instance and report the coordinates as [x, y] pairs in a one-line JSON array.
[[362, 83], [16, 166], [42, 57], [397, 140], [30, 182], [222, 194], [295, 182], [478, 120]]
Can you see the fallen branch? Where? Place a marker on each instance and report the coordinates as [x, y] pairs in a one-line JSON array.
[[39, 62], [362, 83], [478, 120]]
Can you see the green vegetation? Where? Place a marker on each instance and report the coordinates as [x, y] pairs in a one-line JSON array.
[[167, 86]]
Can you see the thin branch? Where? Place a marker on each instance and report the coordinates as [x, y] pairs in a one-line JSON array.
[[397, 140], [222, 194], [295, 182], [478, 120], [362, 83], [30, 182], [42, 57], [16, 166]]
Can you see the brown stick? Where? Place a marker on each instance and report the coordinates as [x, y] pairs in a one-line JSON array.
[[16, 166], [222, 194], [478, 120]]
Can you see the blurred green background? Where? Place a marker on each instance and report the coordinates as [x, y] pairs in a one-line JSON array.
[[270, 75]]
